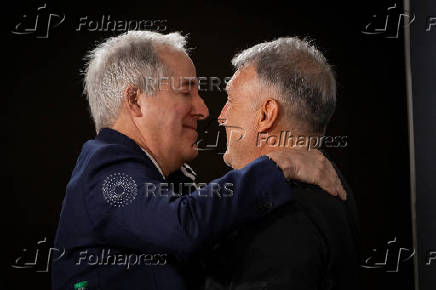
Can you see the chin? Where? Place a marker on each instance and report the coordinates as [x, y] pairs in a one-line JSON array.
[[191, 153], [227, 160]]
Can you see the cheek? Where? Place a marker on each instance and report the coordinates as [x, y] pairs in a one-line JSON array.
[[174, 117], [235, 137], [247, 133]]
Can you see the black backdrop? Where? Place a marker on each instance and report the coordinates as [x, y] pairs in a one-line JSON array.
[[423, 89], [47, 117]]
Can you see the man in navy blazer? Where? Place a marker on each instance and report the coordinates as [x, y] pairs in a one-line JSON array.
[[122, 224]]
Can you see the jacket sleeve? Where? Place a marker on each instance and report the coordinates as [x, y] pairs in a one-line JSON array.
[[129, 207]]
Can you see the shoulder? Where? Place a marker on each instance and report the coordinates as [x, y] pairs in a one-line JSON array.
[[289, 225], [100, 161], [101, 152], [327, 212]]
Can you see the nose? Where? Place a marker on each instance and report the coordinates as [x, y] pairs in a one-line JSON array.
[[199, 108], [222, 117]]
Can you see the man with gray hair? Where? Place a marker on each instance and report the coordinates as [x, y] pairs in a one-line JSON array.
[[122, 226], [285, 86]]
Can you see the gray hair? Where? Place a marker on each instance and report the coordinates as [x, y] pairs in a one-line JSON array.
[[299, 72], [128, 59]]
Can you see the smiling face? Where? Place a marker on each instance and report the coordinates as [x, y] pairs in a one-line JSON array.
[[170, 116], [240, 117]]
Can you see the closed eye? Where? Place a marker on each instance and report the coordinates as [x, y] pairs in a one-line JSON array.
[[188, 93]]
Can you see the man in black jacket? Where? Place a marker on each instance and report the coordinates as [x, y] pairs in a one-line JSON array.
[[283, 94]]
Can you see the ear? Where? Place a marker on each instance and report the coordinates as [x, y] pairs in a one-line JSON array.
[[269, 111], [131, 100]]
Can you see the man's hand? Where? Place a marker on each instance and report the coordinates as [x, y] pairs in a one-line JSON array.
[[310, 167]]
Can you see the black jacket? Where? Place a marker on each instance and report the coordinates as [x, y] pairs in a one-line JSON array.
[[310, 243]]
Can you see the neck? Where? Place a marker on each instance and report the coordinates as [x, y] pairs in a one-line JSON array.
[[128, 128]]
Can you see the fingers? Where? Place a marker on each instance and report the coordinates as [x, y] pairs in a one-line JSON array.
[[339, 189], [342, 193], [329, 185], [290, 172], [310, 167], [333, 188], [330, 188], [284, 162], [338, 184], [328, 179]]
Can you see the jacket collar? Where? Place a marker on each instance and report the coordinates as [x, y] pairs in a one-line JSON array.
[[111, 136]]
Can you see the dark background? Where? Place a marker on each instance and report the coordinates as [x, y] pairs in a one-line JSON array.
[[423, 89], [47, 117]]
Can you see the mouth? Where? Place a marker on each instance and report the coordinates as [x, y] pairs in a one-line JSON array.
[[190, 127], [195, 135]]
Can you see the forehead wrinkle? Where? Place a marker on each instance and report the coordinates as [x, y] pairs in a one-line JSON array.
[[248, 82], [176, 58]]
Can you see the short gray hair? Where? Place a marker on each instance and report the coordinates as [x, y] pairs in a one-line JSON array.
[[128, 59], [305, 82]]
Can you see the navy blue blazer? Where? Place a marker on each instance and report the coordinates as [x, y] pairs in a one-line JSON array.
[[123, 227]]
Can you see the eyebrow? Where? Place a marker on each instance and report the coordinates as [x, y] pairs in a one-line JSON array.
[[189, 82]]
